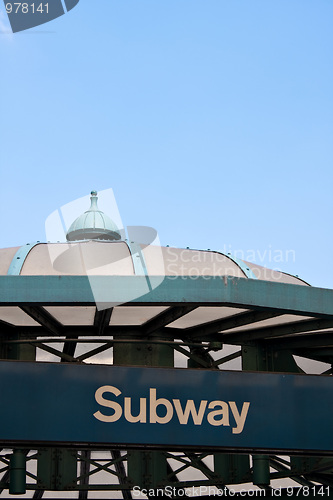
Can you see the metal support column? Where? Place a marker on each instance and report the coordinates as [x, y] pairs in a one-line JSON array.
[[146, 469], [17, 473]]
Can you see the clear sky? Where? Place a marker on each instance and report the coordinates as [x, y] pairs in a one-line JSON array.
[[212, 120]]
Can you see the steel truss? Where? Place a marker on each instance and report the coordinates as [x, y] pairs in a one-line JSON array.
[[261, 345]]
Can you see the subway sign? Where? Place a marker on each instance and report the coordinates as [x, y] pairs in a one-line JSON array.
[[133, 406]]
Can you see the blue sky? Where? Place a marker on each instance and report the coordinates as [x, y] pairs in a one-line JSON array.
[[212, 121]]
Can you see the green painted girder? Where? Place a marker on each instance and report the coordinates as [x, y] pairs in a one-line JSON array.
[[302, 341], [74, 330], [44, 318], [165, 317], [202, 290], [102, 319], [242, 319], [279, 330], [324, 354]]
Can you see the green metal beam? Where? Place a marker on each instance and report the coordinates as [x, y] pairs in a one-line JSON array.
[[225, 359], [95, 351], [277, 331], [62, 355], [69, 347], [102, 319], [4, 480], [197, 358], [84, 473], [7, 326], [71, 331], [166, 317], [121, 471], [303, 341], [44, 318], [316, 355], [322, 352], [198, 463], [235, 321], [198, 290]]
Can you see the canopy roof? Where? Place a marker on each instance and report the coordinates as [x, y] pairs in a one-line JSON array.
[[100, 285], [47, 289], [119, 258]]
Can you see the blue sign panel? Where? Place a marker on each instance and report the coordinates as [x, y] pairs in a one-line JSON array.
[[97, 404]]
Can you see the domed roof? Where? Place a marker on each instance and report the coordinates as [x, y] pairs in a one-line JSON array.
[[95, 247], [93, 225]]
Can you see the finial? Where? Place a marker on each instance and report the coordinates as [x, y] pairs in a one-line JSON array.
[[93, 199]]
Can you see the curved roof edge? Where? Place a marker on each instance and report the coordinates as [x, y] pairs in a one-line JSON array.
[[143, 261]]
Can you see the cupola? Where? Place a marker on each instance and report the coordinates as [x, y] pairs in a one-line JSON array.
[[93, 225]]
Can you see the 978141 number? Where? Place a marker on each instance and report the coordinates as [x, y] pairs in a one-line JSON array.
[[26, 8]]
